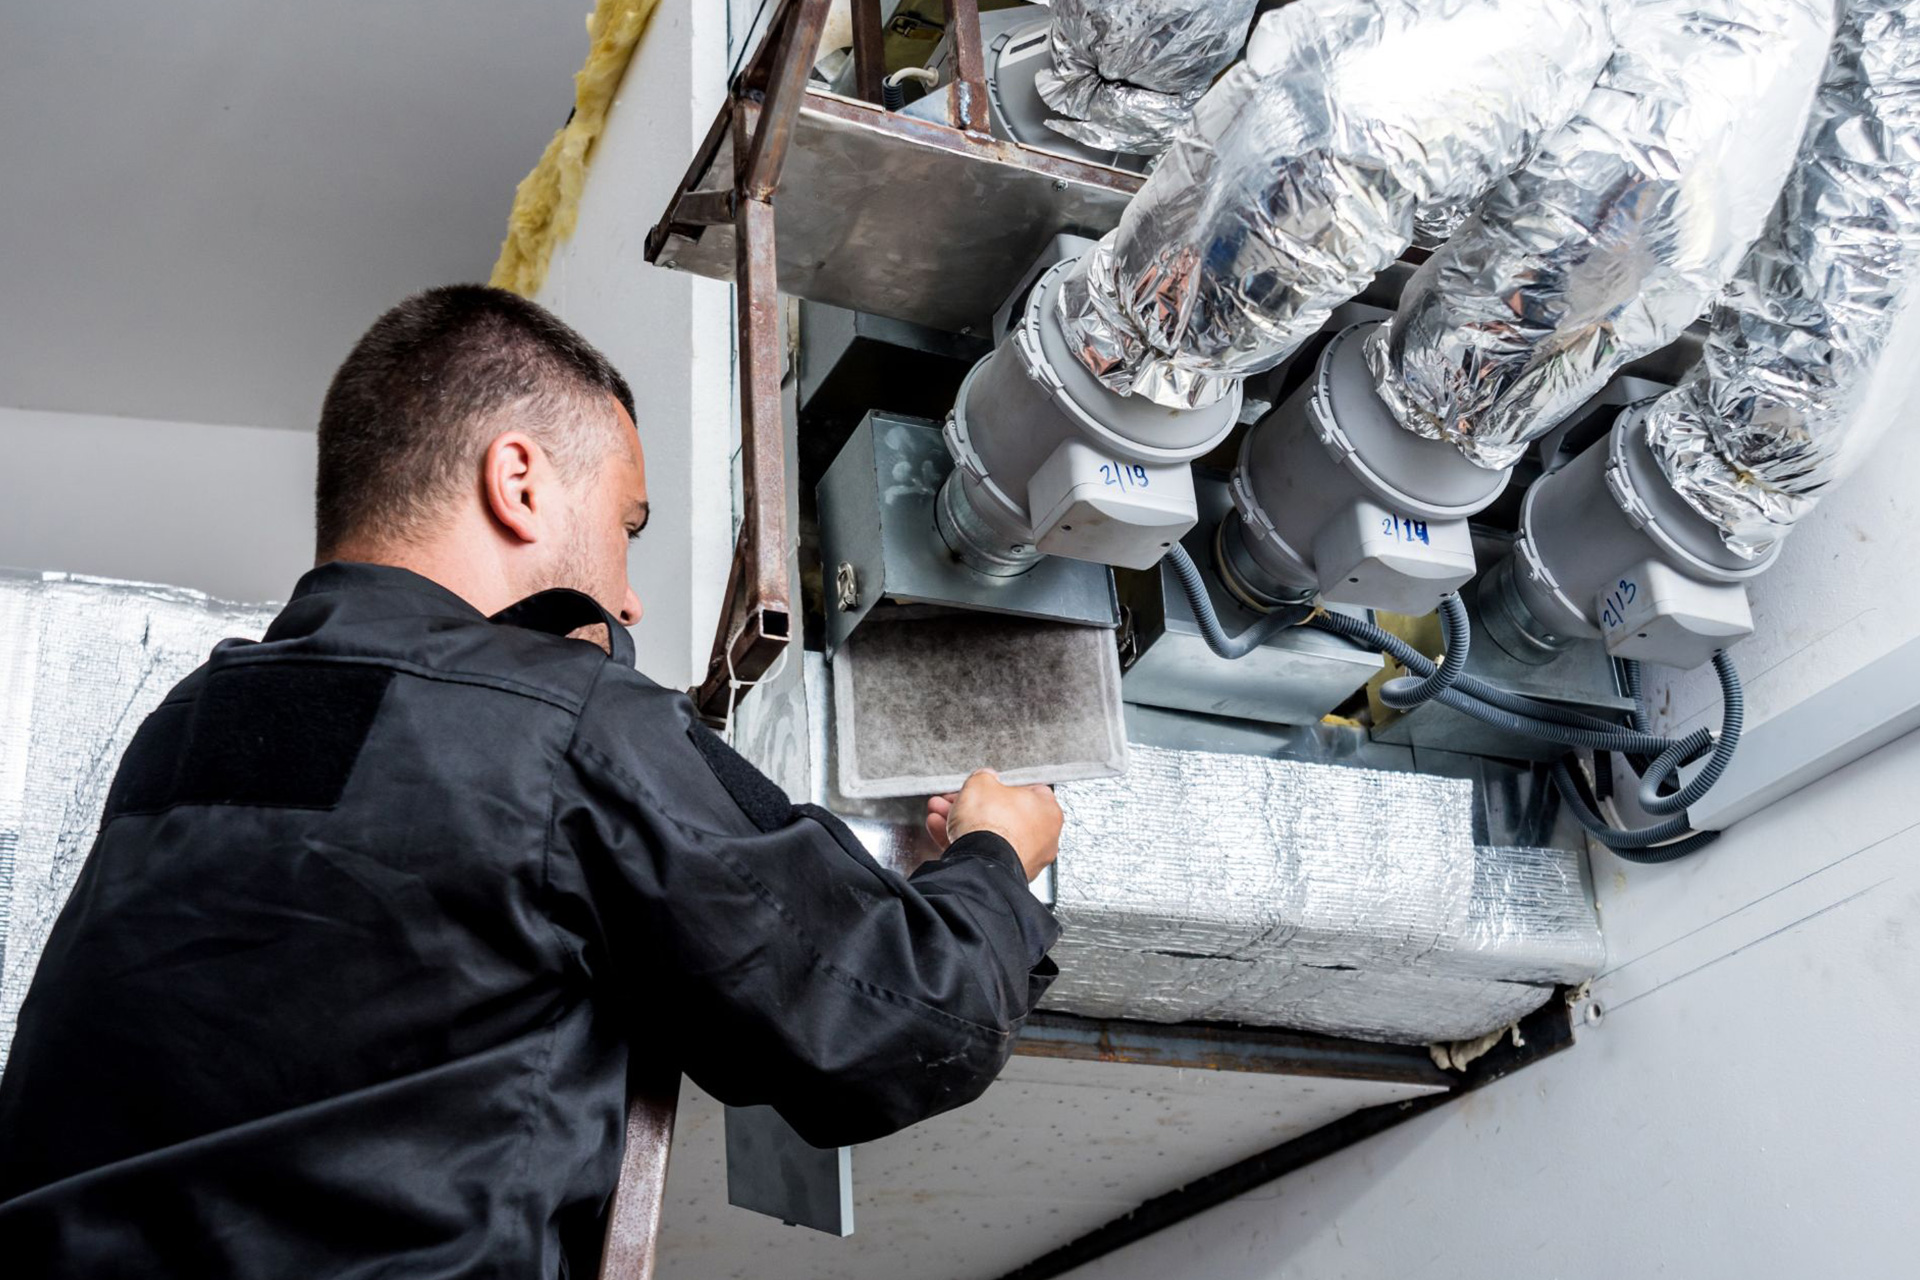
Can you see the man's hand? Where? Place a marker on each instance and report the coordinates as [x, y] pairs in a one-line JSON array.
[[1028, 818]]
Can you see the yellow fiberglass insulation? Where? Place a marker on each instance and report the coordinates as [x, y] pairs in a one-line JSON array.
[[547, 202]]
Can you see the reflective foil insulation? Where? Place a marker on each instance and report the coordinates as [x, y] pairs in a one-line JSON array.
[[1236, 888], [1794, 382], [82, 662], [1617, 234], [1128, 72], [1324, 898], [1304, 171]]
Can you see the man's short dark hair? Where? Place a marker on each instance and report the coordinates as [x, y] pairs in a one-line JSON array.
[[414, 406]]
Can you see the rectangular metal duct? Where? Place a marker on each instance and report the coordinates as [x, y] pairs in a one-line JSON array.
[[1351, 901], [1215, 887]]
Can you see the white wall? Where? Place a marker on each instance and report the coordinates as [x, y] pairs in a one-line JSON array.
[[222, 509], [670, 333], [1746, 1107]]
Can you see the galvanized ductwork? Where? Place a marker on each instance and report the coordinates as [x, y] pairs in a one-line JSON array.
[[1797, 378], [1127, 72], [1303, 172], [1616, 235]]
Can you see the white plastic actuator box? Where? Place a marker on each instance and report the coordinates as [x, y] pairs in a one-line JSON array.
[[1088, 504], [1332, 496], [1608, 549], [1047, 461]]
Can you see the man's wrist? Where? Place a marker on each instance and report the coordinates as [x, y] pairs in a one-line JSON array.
[[987, 842]]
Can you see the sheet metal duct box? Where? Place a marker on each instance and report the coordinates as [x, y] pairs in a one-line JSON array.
[[878, 541], [849, 362], [1296, 677]]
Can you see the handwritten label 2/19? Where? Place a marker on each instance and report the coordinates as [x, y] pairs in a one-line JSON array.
[[1128, 478]]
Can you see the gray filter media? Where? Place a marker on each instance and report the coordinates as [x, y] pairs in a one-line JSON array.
[[918, 705], [82, 662], [1227, 888]]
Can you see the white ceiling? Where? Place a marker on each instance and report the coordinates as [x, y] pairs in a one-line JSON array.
[[204, 202], [1053, 1150]]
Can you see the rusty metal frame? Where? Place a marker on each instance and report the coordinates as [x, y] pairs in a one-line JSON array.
[[756, 619]]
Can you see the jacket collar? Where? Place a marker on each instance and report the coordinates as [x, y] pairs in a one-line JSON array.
[[392, 590], [412, 592]]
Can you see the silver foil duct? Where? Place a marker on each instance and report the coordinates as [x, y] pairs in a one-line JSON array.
[[1129, 71], [1303, 172], [1616, 235], [82, 662], [1346, 901], [1791, 387]]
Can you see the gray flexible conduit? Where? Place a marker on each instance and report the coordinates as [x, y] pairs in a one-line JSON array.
[[1194, 587], [1733, 717], [1500, 709], [1407, 692]]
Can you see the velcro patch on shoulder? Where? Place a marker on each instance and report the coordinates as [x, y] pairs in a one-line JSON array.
[[275, 735], [765, 804]]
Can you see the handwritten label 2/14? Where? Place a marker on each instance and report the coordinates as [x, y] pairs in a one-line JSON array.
[[1401, 529]]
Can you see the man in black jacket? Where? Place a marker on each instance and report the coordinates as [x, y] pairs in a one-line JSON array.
[[382, 904]]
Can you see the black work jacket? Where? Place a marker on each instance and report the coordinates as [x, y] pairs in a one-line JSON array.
[[379, 909]]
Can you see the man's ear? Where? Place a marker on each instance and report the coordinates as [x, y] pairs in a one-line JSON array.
[[509, 474]]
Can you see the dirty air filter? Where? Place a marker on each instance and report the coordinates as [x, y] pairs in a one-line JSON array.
[[82, 662], [1346, 901], [918, 704]]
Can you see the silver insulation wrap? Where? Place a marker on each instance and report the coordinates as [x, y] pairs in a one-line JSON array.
[[1129, 71], [1794, 382], [1616, 235], [1245, 889], [1304, 170], [1333, 899], [82, 662]]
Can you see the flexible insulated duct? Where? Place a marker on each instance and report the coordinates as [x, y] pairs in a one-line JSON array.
[[1616, 235], [1784, 397], [1303, 172], [1129, 71]]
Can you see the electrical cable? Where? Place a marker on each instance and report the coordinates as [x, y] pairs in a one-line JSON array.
[[1403, 693], [1194, 587], [1506, 711], [1733, 714], [1644, 844], [1447, 683]]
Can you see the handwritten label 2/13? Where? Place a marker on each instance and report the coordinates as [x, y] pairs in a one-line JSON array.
[[1613, 605]]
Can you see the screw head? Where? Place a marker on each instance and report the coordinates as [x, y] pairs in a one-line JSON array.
[[1059, 184]]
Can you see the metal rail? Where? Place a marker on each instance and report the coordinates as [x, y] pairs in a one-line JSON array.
[[758, 126]]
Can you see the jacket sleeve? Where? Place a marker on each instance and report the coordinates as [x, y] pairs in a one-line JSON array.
[[761, 948]]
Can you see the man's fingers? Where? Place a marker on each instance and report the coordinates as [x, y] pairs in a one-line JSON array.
[[937, 827]]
